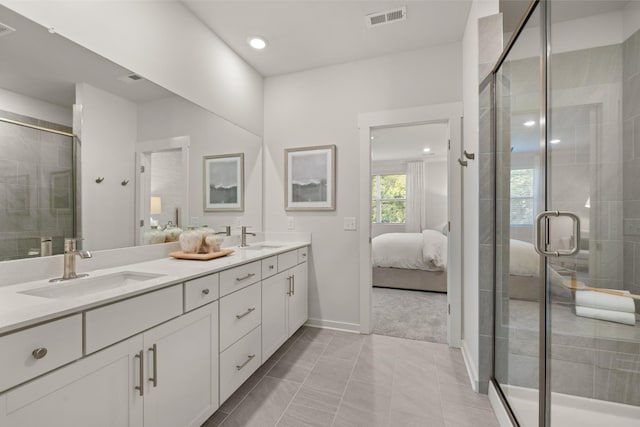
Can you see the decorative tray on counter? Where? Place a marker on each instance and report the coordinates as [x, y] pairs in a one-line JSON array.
[[201, 257]]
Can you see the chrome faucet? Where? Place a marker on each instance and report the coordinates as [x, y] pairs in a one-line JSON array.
[[70, 253], [226, 232], [243, 238]]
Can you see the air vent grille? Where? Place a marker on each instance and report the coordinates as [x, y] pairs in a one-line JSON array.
[[5, 29], [386, 17], [131, 78]]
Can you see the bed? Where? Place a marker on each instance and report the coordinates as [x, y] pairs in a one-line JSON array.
[[418, 261]]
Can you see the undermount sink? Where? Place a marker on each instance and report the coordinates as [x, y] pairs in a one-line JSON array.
[[91, 285], [259, 247]]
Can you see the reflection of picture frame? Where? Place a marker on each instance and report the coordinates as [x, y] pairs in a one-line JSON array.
[[224, 183], [310, 177], [16, 189], [61, 191]]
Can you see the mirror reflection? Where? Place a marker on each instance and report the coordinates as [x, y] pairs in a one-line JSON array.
[[96, 151]]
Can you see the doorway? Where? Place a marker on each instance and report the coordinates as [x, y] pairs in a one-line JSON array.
[[448, 116]]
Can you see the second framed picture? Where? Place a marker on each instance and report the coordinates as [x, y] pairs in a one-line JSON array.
[[224, 183], [310, 178]]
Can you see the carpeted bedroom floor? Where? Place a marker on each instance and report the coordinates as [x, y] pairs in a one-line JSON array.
[[414, 315]]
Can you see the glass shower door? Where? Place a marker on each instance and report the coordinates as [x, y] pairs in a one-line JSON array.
[[519, 198]]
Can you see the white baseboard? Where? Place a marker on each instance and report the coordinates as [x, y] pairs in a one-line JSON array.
[[498, 407], [330, 324], [471, 369]]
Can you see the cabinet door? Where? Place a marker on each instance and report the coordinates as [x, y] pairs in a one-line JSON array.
[[299, 299], [274, 313], [97, 391], [181, 360]]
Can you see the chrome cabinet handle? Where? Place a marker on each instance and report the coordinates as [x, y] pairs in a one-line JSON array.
[[205, 291], [141, 386], [154, 379], [293, 284], [240, 279], [39, 353], [240, 316], [541, 247], [289, 281], [249, 359]]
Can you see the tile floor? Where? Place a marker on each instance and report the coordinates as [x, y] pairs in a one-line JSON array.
[[326, 378]]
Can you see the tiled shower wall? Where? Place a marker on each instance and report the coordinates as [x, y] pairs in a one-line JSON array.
[[36, 197], [631, 165]]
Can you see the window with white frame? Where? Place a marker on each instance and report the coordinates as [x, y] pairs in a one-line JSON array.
[[522, 201], [388, 198]]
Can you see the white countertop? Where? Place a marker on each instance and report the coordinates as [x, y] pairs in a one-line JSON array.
[[18, 310]]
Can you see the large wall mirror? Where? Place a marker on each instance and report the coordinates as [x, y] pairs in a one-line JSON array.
[[92, 150]]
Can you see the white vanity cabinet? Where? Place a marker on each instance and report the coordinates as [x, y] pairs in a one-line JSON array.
[[284, 302], [166, 376]]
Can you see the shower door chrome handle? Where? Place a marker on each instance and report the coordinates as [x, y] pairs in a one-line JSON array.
[[541, 244]]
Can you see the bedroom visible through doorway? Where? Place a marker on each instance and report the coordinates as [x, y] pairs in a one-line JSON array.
[[409, 228]]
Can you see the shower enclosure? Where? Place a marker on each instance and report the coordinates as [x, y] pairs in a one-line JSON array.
[[37, 186], [565, 99]]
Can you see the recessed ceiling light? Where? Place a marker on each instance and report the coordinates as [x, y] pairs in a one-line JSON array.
[[426, 150], [529, 123], [555, 141], [372, 136], [257, 42]]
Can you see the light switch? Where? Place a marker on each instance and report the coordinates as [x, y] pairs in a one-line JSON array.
[[291, 223], [350, 223]]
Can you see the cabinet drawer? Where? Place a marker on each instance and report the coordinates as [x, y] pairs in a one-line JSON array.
[[269, 266], [112, 323], [287, 260], [303, 254], [200, 291], [240, 312], [62, 340], [239, 277], [238, 362]]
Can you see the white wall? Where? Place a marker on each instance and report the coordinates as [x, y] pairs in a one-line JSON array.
[[436, 193], [321, 106], [107, 134], [164, 42], [470, 88], [31, 107], [210, 135]]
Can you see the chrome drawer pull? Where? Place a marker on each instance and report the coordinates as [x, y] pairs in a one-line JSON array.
[[271, 267], [205, 291], [39, 353], [249, 359], [240, 279], [240, 316], [154, 379], [141, 386], [304, 254]]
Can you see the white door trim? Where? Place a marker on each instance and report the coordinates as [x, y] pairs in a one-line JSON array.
[[452, 114]]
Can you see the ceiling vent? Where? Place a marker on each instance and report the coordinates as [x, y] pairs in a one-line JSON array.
[[131, 78], [5, 29], [387, 17]]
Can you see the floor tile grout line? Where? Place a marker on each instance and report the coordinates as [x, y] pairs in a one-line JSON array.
[[303, 381], [353, 368]]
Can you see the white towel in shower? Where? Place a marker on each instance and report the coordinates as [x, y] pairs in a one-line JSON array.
[[610, 315], [605, 301]]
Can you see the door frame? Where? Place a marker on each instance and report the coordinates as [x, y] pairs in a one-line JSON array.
[[144, 149], [450, 113]]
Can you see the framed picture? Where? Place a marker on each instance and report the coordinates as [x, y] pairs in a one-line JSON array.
[[17, 194], [224, 183], [61, 191], [310, 178]]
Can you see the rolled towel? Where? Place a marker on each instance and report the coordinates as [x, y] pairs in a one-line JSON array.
[[609, 315], [605, 301]]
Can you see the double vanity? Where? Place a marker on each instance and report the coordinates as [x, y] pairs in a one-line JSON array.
[[155, 343]]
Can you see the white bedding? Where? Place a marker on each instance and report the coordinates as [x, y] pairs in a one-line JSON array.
[[428, 251], [411, 251]]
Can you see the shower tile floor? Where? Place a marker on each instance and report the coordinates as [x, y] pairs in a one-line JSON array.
[[324, 378]]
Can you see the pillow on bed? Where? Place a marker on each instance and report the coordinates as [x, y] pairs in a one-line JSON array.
[[434, 251], [523, 259]]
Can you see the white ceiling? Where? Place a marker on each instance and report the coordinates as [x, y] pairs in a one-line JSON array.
[[408, 142], [306, 34], [46, 66]]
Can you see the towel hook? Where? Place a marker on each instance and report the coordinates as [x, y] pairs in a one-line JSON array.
[[463, 162], [469, 156], [125, 182], [99, 179]]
